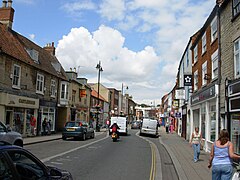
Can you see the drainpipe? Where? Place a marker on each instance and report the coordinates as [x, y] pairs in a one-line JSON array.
[[219, 64]]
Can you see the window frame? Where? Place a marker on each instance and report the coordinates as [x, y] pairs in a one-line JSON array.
[[235, 7], [204, 71], [204, 43], [236, 62], [18, 76], [214, 29], [214, 58], [53, 88], [195, 80], [64, 91], [195, 52], [40, 82]]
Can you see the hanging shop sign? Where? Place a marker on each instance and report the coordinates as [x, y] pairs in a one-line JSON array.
[[180, 94], [188, 80]]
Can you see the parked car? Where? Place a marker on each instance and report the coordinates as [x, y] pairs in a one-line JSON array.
[[10, 136], [17, 163], [136, 125], [77, 129], [149, 127]]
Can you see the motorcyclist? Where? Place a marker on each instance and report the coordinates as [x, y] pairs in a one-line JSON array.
[[115, 128]]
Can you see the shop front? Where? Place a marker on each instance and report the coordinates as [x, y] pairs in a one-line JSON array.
[[204, 108], [234, 114], [47, 111], [20, 113]]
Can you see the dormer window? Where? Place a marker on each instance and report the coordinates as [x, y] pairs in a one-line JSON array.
[[33, 54]]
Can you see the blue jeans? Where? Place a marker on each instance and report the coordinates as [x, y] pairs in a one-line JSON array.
[[222, 172], [196, 151]]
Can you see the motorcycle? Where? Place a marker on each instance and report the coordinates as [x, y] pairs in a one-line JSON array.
[[114, 137]]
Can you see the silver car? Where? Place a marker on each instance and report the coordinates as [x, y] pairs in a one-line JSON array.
[[9, 136]]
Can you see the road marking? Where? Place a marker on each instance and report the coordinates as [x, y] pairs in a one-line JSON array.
[[156, 167], [69, 151], [56, 163]]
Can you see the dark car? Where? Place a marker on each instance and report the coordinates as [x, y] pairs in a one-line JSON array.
[[10, 136], [136, 125], [17, 163], [77, 129]]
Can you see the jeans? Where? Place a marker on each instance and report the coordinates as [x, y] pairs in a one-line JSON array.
[[222, 172], [196, 152]]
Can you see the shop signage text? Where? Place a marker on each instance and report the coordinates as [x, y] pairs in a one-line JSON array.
[[25, 101]]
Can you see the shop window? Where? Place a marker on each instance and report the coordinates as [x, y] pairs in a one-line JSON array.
[[235, 132], [203, 125], [213, 122]]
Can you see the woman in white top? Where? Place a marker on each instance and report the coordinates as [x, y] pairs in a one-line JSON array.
[[196, 141]]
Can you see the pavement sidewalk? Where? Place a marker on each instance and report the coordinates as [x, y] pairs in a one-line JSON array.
[[39, 139], [182, 156]]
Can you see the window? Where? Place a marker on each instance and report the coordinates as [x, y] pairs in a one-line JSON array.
[[53, 88], [195, 80], [33, 54], [235, 131], [203, 115], [73, 96], [204, 45], [236, 7], [5, 169], [214, 29], [213, 122], [26, 166], [64, 90], [204, 73], [40, 83], [214, 58], [196, 53], [16, 76], [237, 58]]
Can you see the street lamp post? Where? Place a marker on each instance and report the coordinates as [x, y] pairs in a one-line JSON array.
[[99, 67]]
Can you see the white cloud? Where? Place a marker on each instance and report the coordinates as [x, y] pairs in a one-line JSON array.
[[82, 48], [112, 10], [75, 8], [32, 36]]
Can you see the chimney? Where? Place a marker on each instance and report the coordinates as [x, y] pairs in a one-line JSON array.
[[50, 48], [7, 13]]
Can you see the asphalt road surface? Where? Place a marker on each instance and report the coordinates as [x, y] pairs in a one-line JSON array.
[[131, 157]]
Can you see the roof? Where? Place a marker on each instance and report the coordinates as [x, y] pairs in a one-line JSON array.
[[95, 94], [16, 45]]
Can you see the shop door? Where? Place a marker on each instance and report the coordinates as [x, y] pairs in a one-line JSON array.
[[184, 125]]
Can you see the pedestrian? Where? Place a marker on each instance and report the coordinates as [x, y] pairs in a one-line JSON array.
[[167, 127], [221, 156], [44, 126], [33, 125], [195, 142]]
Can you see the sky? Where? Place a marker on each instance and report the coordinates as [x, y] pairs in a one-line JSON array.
[[138, 42]]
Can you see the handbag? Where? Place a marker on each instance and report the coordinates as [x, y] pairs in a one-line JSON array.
[[236, 176]]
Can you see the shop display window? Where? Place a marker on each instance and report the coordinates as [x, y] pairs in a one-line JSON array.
[[49, 114], [203, 124], [18, 122], [213, 122], [235, 132]]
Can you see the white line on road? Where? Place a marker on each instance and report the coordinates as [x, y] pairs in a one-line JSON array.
[[69, 151]]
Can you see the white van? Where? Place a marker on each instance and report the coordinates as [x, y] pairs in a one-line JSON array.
[[121, 122], [149, 126]]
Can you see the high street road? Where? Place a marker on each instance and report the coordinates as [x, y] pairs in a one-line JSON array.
[[132, 157]]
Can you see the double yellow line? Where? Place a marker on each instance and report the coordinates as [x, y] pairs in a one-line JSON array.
[[153, 166]]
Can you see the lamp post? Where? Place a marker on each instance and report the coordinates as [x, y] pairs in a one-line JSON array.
[[122, 99], [99, 67]]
